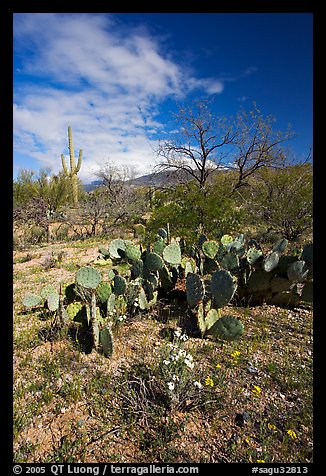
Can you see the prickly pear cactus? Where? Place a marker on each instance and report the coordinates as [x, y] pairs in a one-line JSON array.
[[280, 284], [119, 285], [226, 240], [132, 252], [271, 261], [230, 261], [307, 256], [298, 271], [47, 290], [259, 281], [76, 311], [53, 301], [153, 262], [227, 328], [194, 289], [280, 246], [103, 291], [212, 316], [106, 341], [88, 277], [136, 269], [210, 248], [117, 248], [104, 251], [222, 287], [31, 300], [172, 254], [162, 233], [254, 255], [158, 246], [307, 292], [166, 279]]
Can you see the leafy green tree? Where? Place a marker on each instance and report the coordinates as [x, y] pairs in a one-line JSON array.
[[54, 190], [281, 200], [191, 213]]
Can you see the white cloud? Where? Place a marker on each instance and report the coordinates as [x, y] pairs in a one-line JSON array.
[[83, 70]]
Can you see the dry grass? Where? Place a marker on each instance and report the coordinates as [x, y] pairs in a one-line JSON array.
[[72, 406]]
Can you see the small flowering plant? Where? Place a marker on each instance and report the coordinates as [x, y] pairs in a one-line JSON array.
[[177, 371], [118, 315]]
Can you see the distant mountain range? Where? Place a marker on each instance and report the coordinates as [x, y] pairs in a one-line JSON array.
[[156, 180]]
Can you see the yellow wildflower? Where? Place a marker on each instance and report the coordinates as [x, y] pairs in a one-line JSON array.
[[236, 354], [218, 366], [292, 434], [256, 390], [209, 381], [260, 461], [272, 427]]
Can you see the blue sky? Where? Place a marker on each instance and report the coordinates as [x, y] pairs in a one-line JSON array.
[[117, 79]]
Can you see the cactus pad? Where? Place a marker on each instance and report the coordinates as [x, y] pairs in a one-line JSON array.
[[104, 251], [162, 233], [166, 279], [136, 269], [106, 341], [280, 246], [76, 311], [222, 287], [47, 290], [31, 300], [210, 248], [230, 261], [195, 289], [159, 246], [259, 281], [153, 262], [133, 253], [103, 291], [119, 285], [53, 301], [307, 256], [117, 248], [307, 292], [211, 317], [172, 254], [298, 271], [285, 299], [88, 277], [271, 261], [253, 255], [280, 284], [226, 240], [227, 328]]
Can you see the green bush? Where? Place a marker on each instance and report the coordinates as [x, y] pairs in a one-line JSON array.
[[191, 212]]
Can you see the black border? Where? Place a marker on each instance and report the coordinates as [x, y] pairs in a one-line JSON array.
[[6, 78]]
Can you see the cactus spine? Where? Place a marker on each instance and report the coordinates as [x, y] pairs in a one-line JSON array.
[[74, 169]]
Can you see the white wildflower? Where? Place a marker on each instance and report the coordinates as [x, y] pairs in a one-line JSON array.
[[189, 364], [175, 378], [166, 362], [197, 384], [177, 333], [171, 385]]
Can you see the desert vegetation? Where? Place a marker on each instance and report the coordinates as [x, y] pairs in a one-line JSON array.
[[168, 322]]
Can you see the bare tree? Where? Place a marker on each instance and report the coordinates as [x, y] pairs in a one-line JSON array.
[[207, 143], [115, 201], [256, 145], [197, 152]]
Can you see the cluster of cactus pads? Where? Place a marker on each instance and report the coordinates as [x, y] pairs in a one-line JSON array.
[[213, 274], [273, 278]]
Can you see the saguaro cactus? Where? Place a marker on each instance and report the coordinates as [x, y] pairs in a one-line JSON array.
[[74, 169]]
